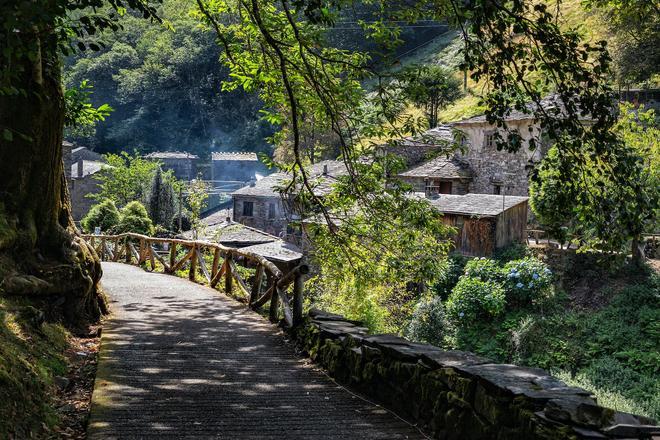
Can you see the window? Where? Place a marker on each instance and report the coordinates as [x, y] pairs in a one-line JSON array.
[[248, 208], [490, 141], [271, 210], [445, 187], [497, 189]]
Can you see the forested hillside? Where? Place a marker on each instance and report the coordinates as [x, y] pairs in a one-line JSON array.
[[164, 82]]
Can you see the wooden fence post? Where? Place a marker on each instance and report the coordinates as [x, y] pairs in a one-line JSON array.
[[256, 284], [298, 299], [193, 263], [172, 256], [216, 262], [128, 250], [274, 301], [228, 275]]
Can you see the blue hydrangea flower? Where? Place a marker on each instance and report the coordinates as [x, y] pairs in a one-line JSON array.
[[461, 314], [519, 285], [531, 285], [535, 276]]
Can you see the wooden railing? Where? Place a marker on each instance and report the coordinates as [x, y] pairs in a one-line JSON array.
[[267, 283]]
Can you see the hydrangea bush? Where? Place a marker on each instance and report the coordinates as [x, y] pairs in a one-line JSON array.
[[483, 269], [527, 280], [473, 298], [429, 322]]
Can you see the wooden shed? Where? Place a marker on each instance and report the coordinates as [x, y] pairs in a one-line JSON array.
[[485, 222]]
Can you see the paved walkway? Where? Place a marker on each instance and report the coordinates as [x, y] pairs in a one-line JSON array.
[[179, 360]]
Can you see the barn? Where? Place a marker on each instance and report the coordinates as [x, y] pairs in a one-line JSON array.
[[484, 222]]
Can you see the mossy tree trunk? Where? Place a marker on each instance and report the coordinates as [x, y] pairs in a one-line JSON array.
[[40, 251]]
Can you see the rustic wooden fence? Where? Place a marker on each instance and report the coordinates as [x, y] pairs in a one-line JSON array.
[[260, 282]]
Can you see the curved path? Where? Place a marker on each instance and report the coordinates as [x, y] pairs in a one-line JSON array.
[[179, 360]]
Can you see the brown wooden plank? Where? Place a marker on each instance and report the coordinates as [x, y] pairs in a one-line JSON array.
[[202, 265]]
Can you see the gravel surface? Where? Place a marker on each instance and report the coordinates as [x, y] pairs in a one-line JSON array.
[[180, 360]]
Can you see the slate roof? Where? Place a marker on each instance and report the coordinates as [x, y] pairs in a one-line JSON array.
[[238, 234], [277, 251], [89, 167], [551, 104], [442, 167], [236, 155], [267, 186], [440, 135], [171, 155], [483, 205], [221, 229]]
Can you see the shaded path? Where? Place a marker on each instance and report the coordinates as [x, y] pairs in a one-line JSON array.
[[179, 360]]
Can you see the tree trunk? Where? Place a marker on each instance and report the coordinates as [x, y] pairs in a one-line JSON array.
[[41, 253]]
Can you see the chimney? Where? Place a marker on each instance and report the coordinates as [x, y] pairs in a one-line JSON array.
[[325, 169], [80, 167]]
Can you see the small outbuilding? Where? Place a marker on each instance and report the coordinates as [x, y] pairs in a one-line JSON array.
[[238, 166], [484, 222], [182, 164]]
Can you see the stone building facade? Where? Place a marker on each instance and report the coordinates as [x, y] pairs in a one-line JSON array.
[[236, 166], [261, 206], [182, 164], [468, 161], [497, 171], [81, 184]]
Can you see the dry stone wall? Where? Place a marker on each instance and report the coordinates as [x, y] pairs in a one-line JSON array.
[[459, 395]]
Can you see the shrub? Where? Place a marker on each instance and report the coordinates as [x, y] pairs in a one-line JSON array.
[[186, 223], [483, 269], [473, 299], [526, 280], [515, 251], [428, 322], [451, 271], [134, 218], [104, 215]]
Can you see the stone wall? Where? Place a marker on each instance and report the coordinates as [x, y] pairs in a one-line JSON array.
[[260, 218], [458, 395], [492, 167], [79, 188]]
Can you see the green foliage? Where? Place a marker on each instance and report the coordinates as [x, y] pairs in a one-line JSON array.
[[134, 218], [616, 202], [450, 272], [104, 215], [430, 86], [483, 269], [125, 179], [196, 197], [514, 251], [527, 281], [613, 351], [636, 28], [428, 322], [473, 299], [164, 80], [162, 201], [31, 353], [80, 115]]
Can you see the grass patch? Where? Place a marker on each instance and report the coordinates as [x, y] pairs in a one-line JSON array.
[[31, 353]]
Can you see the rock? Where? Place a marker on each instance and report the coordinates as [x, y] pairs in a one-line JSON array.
[[61, 382], [632, 431], [578, 411]]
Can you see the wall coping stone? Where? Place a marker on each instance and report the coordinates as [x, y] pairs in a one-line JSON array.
[[458, 394]]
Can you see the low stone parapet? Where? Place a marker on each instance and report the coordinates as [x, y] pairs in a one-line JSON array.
[[459, 395]]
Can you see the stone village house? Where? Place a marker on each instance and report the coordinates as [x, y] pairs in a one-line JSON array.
[[260, 205], [182, 164], [80, 167], [480, 168], [236, 166]]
